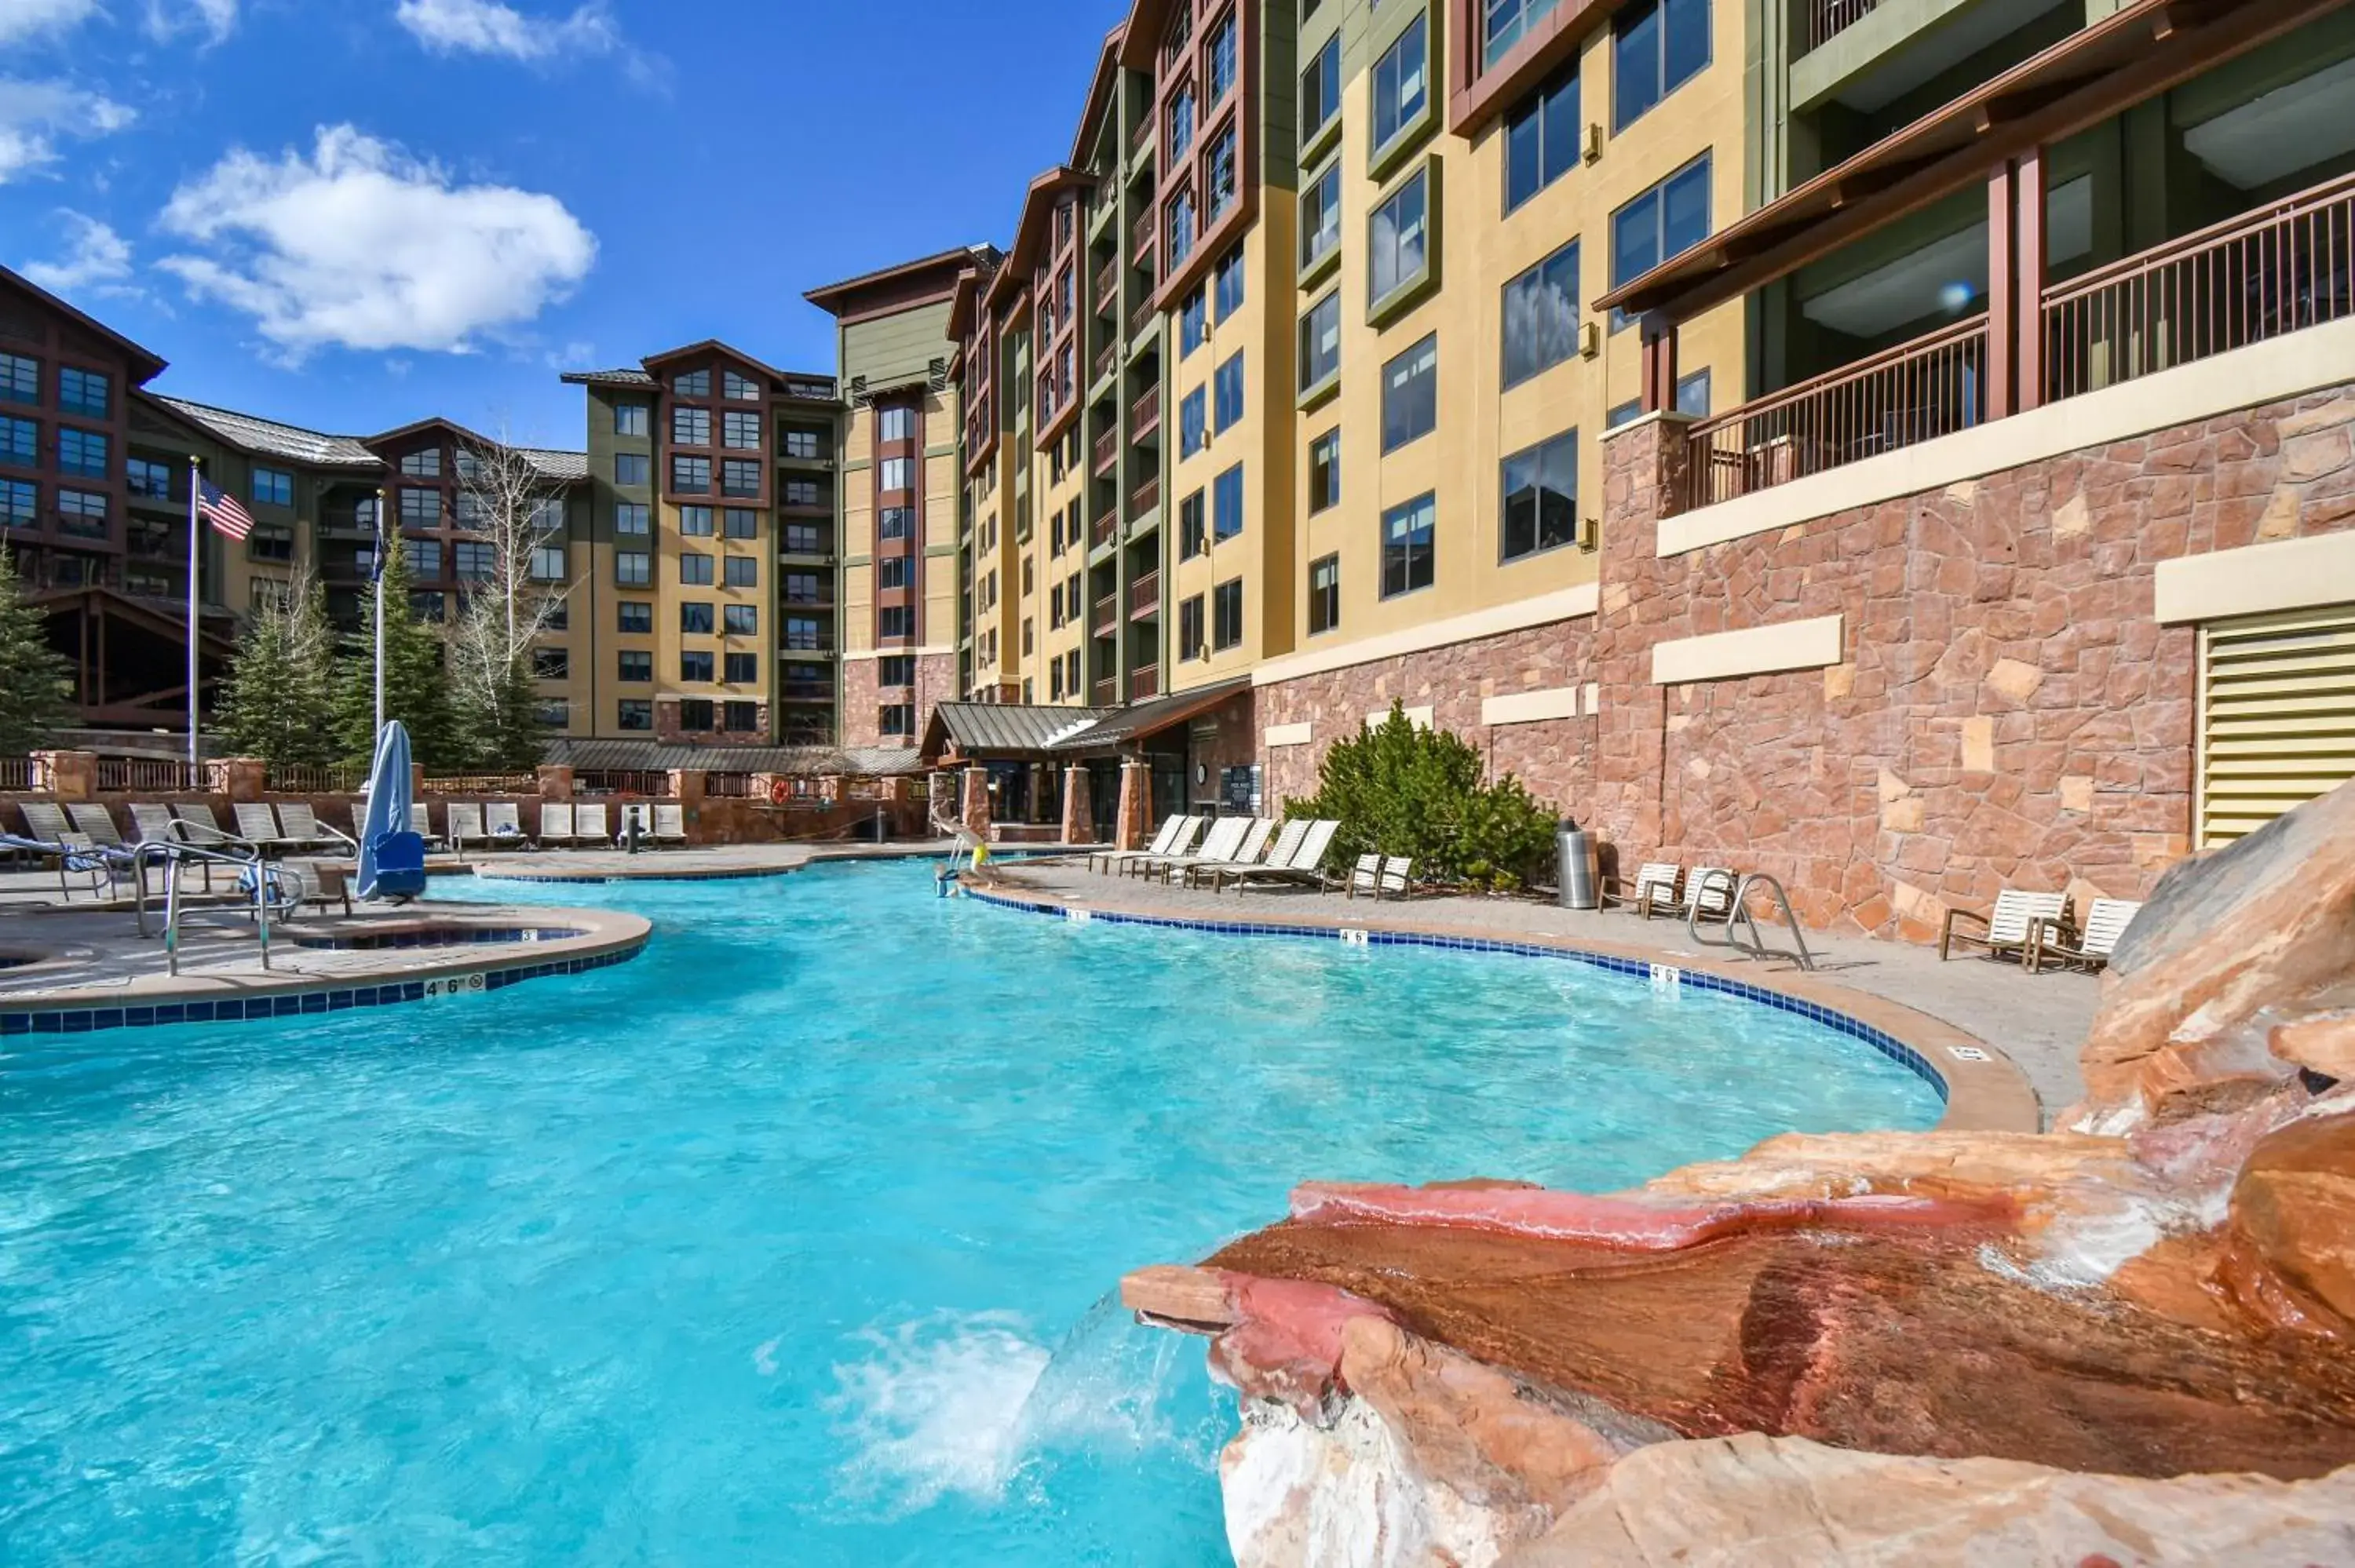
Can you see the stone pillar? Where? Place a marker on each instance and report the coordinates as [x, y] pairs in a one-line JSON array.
[[417, 780], [1132, 827], [1079, 807], [829, 789], [555, 781], [241, 779], [684, 785], [66, 775], [976, 814]]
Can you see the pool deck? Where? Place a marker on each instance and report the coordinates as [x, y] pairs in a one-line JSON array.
[[2031, 1026]]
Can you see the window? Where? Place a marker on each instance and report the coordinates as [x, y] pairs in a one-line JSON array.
[[551, 712], [1193, 537], [1655, 48], [740, 571], [692, 384], [636, 713], [1325, 471], [1541, 317], [1227, 615], [741, 619], [895, 523], [895, 424], [429, 606], [739, 477], [1411, 394], [695, 521], [1228, 401], [741, 431], [19, 503], [896, 669], [637, 617], [547, 564], [1406, 547], [740, 670], [737, 389], [20, 379], [1540, 498], [83, 510], [1323, 594], [469, 510], [740, 717], [83, 453], [271, 486], [548, 517], [803, 634], [1320, 217], [20, 442], [559, 616], [1320, 89], [1228, 282], [1218, 185], [469, 465], [1189, 628], [426, 464], [153, 480], [630, 468], [1221, 56], [269, 542], [690, 426], [896, 473], [801, 492], [1506, 21], [421, 509], [695, 619], [1400, 81], [633, 519], [1181, 124], [636, 666], [471, 560], [1395, 237], [1542, 139], [1193, 323], [741, 523], [891, 572], [1226, 505], [695, 715], [1657, 226], [424, 558], [1620, 413], [690, 476], [695, 664], [801, 443], [695, 570], [551, 664], [1320, 341], [804, 539], [1193, 423], [629, 418], [1693, 394], [897, 622], [83, 392], [1181, 228]]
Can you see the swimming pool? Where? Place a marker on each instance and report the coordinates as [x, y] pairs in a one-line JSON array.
[[785, 1243]]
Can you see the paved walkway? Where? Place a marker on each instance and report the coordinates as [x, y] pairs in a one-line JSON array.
[[2039, 1021]]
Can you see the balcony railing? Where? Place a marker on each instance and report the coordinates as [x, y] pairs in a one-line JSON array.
[[1105, 358], [1145, 414], [148, 775], [1107, 616], [1108, 285], [1106, 692], [1139, 317], [1146, 496], [1827, 17], [1144, 595], [652, 782], [2266, 273], [1900, 397], [1107, 451], [306, 778], [15, 773], [1144, 684], [1100, 531]]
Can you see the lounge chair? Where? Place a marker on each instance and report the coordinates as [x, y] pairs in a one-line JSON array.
[[1707, 893], [298, 823], [92, 818], [1252, 852], [47, 822], [421, 823], [1188, 843], [1219, 845], [1307, 864], [1288, 840], [670, 824], [636, 811], [1165, 841], [503, 823], [1379, 876], [154, 824], [1658, 882], [555, 823], [589, 825], [465, 825], [2006, 933], [2106, 920], [201, 826], [258, 825]]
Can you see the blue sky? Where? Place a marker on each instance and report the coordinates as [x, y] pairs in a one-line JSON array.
[[350, 214]]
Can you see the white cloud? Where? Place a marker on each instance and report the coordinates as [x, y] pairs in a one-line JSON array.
[[97, 261], [29, 18], [360, 245], [167, 19], [34, 114], [491, 27]]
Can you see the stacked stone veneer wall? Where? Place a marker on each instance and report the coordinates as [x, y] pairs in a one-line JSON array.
[[2007, 710]]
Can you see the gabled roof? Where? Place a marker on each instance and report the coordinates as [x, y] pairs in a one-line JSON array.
[[1004, 729], [1030, 232], [149, 364], [622, 378], [554, 464], [809, 387], [259, 437], [1102, 97], [965, 303], [836, 299]]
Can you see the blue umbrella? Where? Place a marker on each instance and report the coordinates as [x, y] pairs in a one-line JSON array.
[[392, 858]]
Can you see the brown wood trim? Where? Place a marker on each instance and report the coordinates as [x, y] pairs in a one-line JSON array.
[[1475, 97]]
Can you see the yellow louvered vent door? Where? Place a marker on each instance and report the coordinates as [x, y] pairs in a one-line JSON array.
[[2277, 715]]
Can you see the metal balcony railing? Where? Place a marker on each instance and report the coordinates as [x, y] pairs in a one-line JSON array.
[[1144, 684], [1145, 414], [1145, 595]]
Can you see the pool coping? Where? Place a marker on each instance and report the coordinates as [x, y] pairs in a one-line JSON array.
[[604, 937], [1982, 1089]]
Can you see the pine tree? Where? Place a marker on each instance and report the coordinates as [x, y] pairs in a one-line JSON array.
[[281, 701], [415, 686], [36, 683]]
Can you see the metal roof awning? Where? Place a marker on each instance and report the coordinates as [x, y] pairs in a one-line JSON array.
[[1012, 732], [657, 757], [2126, 58]]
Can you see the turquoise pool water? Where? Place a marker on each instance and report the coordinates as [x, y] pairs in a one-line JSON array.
[[786, 1244]]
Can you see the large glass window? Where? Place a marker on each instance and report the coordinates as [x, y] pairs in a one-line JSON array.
[[1540, 497], [18, 504], [1406, 547], [802, 635], [633, 519], [740, 571], [633, 568], [1193, 423], [275, 486], [695, 664], [424, 556], [630, 468], [1659, 226], [1189, 628], [1320, 217], [1181, 124], [738, 389], [1226, 404], [154, 480], [1226, 505], [1320, 341], [1180, 226], [1323, 594], [1541, 138], [695, 619], [636, 713], [425, 464], [695, 570], [740, 670], [1193, 532], [20, 379], [1222, 57], [629, 418], [801, 443], [1401, 82], [1227, 615], [1228, 282], [473, 560], [1396, 233], [741, 430], [741, 523], [637, 616], [84, 453], [1325, 471], [1193, 323], [896, 473], [84, 392], [547, 564], [1541, 316], [1655, 48], [692, 384], [695, 521], [690, 426], [893, 522], [636, 665], [1410, 393], [1504, 22], [739, 476], [421, 509], [896, 623], [1320, 89], [1219, 166], [895, 424], [20, 442]]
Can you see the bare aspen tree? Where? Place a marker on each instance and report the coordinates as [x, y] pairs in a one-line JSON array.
[[518, 576]]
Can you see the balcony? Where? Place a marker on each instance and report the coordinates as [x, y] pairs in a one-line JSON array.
[[1145, 414], [1108, 452], [1141, 317], [1144, 595], [1140, 238], [1106, 693], [1100, 532], [1108, 285], [805, 692], [1107, 619], [1146, 496], [1144, 684], [1827, 19], [1105, 358]]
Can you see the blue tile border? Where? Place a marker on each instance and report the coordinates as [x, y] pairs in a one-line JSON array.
[[297, 1003], [1880, 1040]]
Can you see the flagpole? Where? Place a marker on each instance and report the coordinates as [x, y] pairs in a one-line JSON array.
[[380, 546], [195, 758]]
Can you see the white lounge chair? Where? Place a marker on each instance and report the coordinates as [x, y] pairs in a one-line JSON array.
[[555, 823], [589, 825], [465, 824], [421, 823], [1289, 837], [2051, 942], [1252, 852], [670, 824], [298, 823], [1658, 884], [1165, 841], [2008, 931], [641, 812], [1219, 845], [1306, 865], [1188, 841], [503, 824], [1707, 893]]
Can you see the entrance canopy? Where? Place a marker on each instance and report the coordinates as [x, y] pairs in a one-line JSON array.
[[1012, 732]]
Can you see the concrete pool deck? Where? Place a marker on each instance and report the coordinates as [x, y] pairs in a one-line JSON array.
[[2033, 1024]]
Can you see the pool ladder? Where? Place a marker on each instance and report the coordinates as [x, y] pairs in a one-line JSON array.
[[1737, 915]]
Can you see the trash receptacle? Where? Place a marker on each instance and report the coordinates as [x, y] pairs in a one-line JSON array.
[[1578, 878]]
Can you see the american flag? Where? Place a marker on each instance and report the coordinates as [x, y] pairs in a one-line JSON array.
[[220, 509]]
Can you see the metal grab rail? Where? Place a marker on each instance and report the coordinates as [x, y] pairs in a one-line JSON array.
[[1755, 947]]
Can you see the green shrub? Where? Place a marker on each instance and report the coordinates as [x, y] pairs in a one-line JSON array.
[[1398, 789]]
